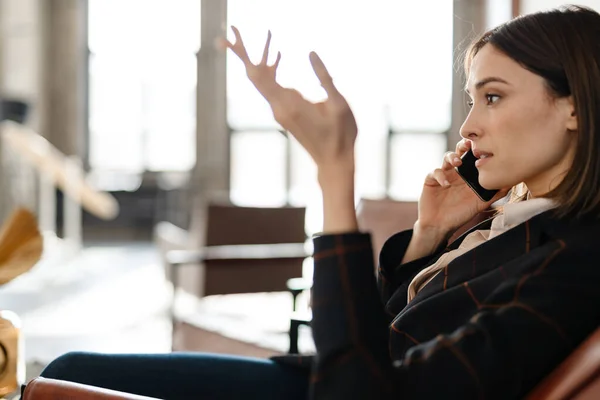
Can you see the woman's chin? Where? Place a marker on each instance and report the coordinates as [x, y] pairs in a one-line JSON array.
[[494, 183], [489, 183]]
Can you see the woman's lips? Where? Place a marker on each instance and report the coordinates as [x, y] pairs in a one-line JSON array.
[[483, 160]]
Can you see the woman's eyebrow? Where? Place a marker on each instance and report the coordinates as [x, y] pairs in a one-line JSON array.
[[485, 81]]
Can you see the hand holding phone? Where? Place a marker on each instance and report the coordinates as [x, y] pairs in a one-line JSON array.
[[470, 174]]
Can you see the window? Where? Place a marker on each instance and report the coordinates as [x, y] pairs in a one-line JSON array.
[[143, 84], [262, 156], [392, 61]]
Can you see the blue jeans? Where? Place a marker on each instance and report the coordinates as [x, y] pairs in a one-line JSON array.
[[183, 375]]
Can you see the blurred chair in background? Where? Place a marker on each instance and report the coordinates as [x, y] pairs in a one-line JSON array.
[[234, 249], [384, 217]]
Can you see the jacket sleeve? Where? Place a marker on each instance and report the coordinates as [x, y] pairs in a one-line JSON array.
[[518, 334]]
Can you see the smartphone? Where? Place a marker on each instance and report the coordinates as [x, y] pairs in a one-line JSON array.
[[469, 173]]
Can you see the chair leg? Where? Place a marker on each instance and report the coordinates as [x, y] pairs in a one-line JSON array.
[[295, 294], [294, 326], [174, 280], [295, 323]]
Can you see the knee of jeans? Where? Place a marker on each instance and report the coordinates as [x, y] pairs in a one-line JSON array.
[[63, 366]]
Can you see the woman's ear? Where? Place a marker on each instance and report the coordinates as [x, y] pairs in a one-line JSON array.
[[572, 114]]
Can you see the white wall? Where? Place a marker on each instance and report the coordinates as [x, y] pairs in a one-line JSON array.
[[529, 6]]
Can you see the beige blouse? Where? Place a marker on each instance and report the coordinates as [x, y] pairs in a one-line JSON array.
[[512, 215]]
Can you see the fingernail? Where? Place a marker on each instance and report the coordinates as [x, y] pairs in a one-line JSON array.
[[456, 159], [446, 183]]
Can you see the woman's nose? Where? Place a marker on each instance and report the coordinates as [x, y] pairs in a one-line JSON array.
[[470, 129]]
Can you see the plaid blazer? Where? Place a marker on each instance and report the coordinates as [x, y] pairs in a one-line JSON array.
[[491, 325]]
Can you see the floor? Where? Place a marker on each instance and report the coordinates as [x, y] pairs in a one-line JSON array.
[[114, 298], [107, 298]]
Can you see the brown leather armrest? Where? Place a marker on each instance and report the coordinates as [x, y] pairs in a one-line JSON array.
[[577, 377], [51, 389]]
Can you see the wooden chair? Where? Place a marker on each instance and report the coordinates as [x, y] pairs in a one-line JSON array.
[[238, 250]]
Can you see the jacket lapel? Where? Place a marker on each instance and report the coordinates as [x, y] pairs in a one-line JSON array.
[[485, 257]]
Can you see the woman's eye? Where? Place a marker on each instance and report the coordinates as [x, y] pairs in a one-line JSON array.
[[492, 98]]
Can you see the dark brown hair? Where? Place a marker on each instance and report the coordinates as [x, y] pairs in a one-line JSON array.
[[562, 46]]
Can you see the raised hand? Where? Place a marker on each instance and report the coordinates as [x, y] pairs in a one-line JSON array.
[[327, 130]]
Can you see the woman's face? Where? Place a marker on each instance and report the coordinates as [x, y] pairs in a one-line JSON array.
[[519, 132]]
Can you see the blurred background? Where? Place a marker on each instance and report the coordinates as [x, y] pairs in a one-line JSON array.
[[133, 99]]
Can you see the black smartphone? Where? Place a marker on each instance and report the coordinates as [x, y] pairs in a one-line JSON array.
[[469, 173]]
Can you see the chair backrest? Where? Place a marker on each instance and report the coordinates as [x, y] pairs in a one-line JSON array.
[[577, 378], [382, 218], [227, 224]]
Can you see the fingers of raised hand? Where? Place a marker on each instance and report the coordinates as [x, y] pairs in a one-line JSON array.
[[265, 55], [238, 47], [277, 60], [323, 75], [437, 177]]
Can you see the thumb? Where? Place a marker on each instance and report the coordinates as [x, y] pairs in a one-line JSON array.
[[323, 75]]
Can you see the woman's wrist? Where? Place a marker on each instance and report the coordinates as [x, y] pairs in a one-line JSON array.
[[432, 235], [337, 186], [424, 242], [333, 173]]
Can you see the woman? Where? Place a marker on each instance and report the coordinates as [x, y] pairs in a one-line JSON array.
[[488, 316]]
